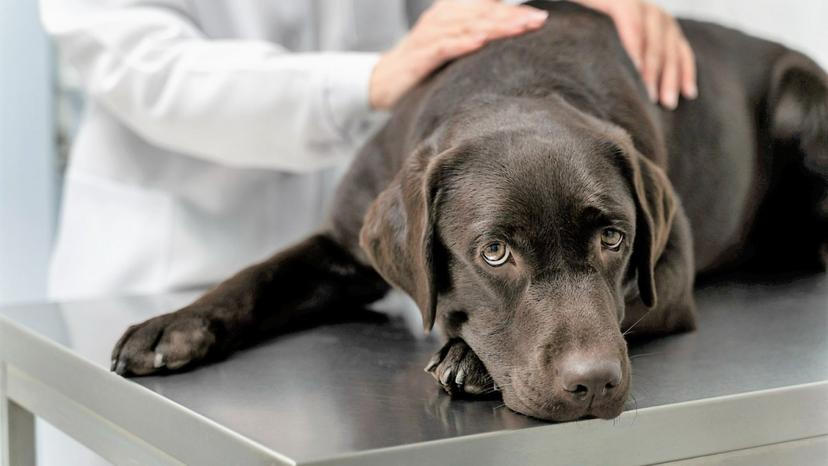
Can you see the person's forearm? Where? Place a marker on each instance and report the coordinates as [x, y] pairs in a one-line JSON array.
[[239, 103]]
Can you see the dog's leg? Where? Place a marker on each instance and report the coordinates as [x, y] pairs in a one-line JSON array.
[[314, 278], [459, 371]]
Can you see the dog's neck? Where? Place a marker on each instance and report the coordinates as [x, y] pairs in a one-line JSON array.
[[576, 58]]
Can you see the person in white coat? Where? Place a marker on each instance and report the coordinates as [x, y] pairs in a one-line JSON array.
[[214, 130]]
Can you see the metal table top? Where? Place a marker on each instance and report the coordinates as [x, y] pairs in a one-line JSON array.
[[355, 386]]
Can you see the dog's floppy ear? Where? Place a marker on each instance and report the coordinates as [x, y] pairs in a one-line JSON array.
[[398, 230], [655, 204]]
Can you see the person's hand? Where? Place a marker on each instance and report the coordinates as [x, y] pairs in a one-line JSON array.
[[445, 31], [657, 46]]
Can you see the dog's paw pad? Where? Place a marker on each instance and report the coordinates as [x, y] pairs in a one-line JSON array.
[[459, 371]]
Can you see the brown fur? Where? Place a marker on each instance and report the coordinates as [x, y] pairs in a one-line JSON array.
[[543, 141]]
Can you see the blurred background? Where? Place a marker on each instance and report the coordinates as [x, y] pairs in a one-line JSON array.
[[40, 104]]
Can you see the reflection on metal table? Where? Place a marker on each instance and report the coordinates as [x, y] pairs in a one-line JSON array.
[[752, 382]]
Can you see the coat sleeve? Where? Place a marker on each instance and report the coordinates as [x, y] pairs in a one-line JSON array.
[[241, 103]]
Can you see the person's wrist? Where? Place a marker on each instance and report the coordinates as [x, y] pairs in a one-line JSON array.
[[378, 97], [390, 78]]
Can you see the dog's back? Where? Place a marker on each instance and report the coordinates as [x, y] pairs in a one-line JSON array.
[[721, 151], [731, 163]]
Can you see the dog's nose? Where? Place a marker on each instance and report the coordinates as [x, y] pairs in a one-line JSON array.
[[584, 377]]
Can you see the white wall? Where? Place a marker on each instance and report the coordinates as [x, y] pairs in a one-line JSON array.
[[27, 173], [799, 24]]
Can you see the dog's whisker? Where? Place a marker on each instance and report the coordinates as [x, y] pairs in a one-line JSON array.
[[636, 322], [632, 403]]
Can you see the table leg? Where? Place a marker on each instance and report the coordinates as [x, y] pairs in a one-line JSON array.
[[17, 434]]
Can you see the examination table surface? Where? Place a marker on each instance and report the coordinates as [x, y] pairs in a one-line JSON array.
[[751, 382]]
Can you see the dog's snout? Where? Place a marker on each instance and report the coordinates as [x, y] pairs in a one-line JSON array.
[[580, 382], [586, 377]]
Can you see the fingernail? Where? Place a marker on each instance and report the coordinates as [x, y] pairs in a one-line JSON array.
[[692, 92], [670, 100], [158, 361], [120, 368], [112, 365], [445, 377], [651, 90], [538, 15]]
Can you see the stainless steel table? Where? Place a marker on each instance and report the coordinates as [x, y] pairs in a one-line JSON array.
[[751, 383]]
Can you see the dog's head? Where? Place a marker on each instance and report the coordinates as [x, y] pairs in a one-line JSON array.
[[525, 237]]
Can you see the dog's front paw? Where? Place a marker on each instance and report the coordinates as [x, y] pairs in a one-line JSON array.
[[165, 343], [459, 371]]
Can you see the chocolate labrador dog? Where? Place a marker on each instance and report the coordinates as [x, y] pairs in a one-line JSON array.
[[534, 202]]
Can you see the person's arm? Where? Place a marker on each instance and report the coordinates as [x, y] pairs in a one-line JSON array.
[[242, 103], [248, 103]]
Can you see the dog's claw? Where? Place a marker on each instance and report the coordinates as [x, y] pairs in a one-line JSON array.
[[458, 370], [459, 378], [432, 363], [446, 376]]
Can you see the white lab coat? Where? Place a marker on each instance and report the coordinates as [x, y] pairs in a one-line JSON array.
[[205, 145]]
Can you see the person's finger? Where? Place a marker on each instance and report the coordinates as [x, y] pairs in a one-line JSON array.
[[689, 87], [495, 20], [450, 48], [669, 80], [509, 21], [452, 13], [630, 29], [499, 30], [654, 50]]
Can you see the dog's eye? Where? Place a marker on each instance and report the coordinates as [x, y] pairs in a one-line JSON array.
[[611, 238], [496, 253]]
